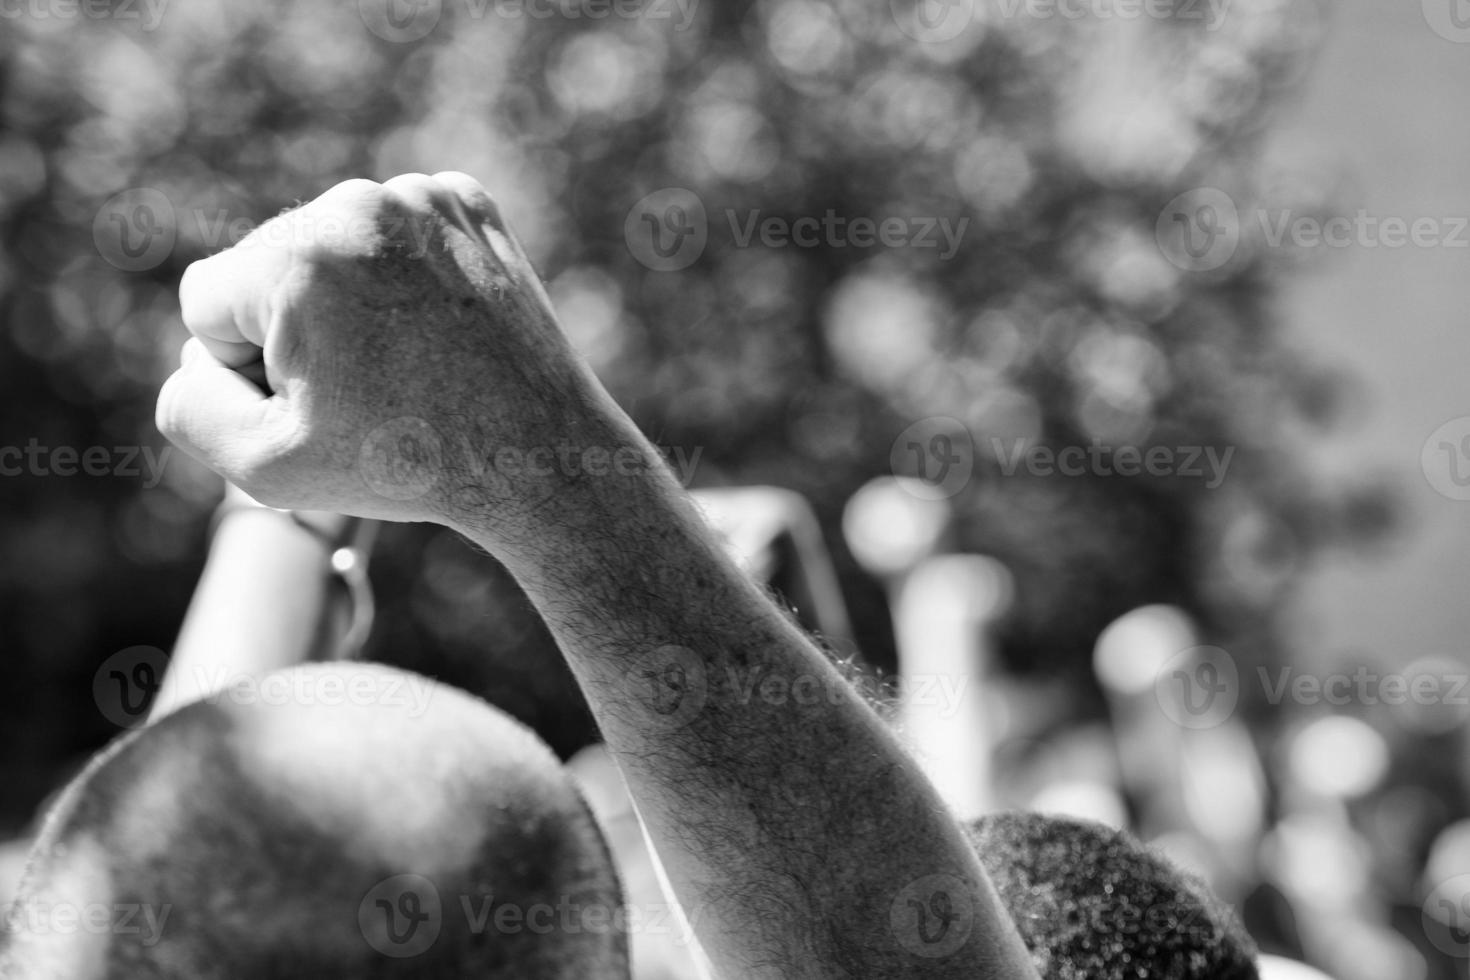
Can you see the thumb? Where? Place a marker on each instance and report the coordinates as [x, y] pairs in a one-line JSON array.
[[219, 416]]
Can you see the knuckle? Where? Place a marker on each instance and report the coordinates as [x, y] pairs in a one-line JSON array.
[[358, 191], [400, 214], [475, 199], [353, 219], [351, 199], [419, 198], [413, 188], [458, 179]]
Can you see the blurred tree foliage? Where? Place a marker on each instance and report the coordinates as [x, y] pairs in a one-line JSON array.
[[1058, 320]]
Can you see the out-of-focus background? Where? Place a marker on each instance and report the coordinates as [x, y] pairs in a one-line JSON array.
[[1153, 308]]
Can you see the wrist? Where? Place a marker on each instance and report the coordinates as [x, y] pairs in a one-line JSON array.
[[520, 496]]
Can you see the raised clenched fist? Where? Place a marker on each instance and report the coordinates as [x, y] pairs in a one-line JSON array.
[[372, 352]]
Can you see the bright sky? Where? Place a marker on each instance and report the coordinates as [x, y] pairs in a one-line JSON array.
[[1386, 107]]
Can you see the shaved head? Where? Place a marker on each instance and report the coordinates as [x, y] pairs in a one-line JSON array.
[[337, 820]]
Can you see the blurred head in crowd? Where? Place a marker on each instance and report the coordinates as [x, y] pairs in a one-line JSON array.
[[1092, 903], [372, 824]]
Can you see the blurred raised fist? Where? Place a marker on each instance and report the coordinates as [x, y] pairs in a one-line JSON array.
[[372, 353]]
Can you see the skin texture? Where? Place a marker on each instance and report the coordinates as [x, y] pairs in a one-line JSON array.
[[417, 372]]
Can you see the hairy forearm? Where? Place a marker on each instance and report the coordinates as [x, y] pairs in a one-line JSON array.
[[799, 837], [793, 826]]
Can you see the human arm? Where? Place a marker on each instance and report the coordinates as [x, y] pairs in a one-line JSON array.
[[269, 596], [418, 373]]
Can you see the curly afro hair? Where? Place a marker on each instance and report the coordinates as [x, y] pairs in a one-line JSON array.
[[1092, 903]]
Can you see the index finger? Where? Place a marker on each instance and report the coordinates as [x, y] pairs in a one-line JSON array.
[[225, 300]]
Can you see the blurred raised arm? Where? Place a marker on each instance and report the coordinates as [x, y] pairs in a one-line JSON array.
[[269, 597]]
